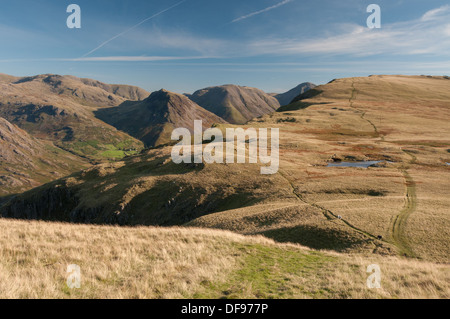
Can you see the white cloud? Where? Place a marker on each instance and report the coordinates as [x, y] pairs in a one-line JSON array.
[[427, 35], [435, 13], [422, 36], [181, 41], [262, 11], [447, 30], [133, 58]]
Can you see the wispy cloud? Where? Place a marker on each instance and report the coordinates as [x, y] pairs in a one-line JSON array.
[[133, 27], [135, 58], [427, 34], [130, 58], [432, 14], [262, 11], [180, 42]]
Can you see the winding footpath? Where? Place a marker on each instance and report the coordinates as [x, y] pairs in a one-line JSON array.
[[399, 222], [329, 215], [398, 225]]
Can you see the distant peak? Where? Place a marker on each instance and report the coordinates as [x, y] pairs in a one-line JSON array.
[[165, 96], [164, 92]]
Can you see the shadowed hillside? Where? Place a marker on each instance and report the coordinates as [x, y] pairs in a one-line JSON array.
[[153, 120], [26, 162], [287, 97], [60, 109]]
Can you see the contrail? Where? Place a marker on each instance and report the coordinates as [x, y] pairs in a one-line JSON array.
[[133, 27], [262, 11]]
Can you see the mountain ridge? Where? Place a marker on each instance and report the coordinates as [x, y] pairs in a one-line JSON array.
[[153, 119], [235, 104], [60, 109], [287, 97]]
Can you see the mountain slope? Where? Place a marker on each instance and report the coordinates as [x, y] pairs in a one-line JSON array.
[[26, 162], [401, 202], [86, 91], [287, 97], [153, 119], [8, 78], [61, 109], [235, 104]]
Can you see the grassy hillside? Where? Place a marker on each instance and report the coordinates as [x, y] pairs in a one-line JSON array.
[[235, 104], [60, 109], [26, 162], [153, 119], [192, 263], [398, 120]]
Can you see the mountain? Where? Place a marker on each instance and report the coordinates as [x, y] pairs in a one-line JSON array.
[[287, 97], [235, 104], [26, 162], [60, 109], [153, 119], [83, 90], [396, 206], [125, 91], [8, 78]]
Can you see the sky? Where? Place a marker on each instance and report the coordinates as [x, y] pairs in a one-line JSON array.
[[187, 45]]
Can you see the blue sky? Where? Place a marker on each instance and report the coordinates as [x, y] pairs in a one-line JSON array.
[[270, 44]]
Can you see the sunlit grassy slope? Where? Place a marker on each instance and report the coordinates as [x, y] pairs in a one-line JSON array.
[[401, 120], [146, 262]]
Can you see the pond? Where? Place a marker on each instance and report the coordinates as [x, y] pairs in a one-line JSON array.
[[361, 164]]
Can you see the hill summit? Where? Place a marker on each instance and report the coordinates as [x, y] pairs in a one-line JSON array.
[[235, 104], [153, 119]]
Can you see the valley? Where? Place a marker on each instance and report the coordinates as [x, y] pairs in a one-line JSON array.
[[324, 212]]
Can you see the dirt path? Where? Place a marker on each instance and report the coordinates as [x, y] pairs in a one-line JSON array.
[[329, 215], [326, 212], [398, 225], [362, 113]]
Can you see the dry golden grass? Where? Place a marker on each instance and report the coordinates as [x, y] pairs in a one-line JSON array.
[[400, 278], [403, 120], [184, 262], [400, 119], [115, 262], [428, 228]]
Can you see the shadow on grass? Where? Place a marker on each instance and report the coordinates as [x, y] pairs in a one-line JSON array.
[[314, 237]]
